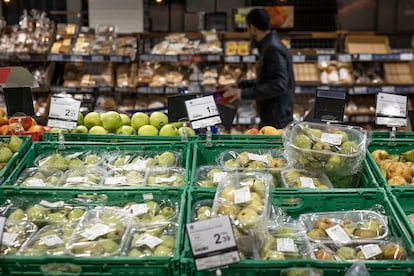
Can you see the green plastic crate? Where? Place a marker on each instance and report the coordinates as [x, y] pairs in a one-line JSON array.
[[110, 138], [385, 135], [45, 147], [168, 266], [206, 155], [397, 147], [16, 158], [296, 204], [403, 204]]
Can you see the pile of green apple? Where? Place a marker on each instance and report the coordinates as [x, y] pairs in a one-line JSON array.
[[42, 215], [150, 242], [37, 176], [83, 177], [165, 177], [51, 240], [386, 250], [137, 161], [15, 234], [69, 160], [296, 178], [101, 232], [153, 212], [366, 229], [8, 146], [112, 122]]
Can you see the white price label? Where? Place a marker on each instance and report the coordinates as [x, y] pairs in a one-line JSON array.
[[370, 250], [406, 56], [285, 245], [149, 240], [63, 112], [202, 109], [307, 182], [298, 58], [391, 105], [257, 157], [95, 231], [148, 196], [324, 58], [77, 179], [248, 59], [139, 164], [388, 89], [365, 57], [219, 176], [9, 238], [159, 180], [212, 242], [242, 195], [52, 240], [333, 139], [232, 59], [360, 90], [115, 180], [35, 182], [337, 234], [387, 121], [344, 58], [56, 204], [138, 209]]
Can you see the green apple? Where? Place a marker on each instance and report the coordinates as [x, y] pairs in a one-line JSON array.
[[80, 118], [15, 143], [231, 163], [139, 119], [80, 129], [125, 119], [158, 119], [126, 130], [97, 130], [92, 119], [111, 121], [168, 130], [206, 183], [148, 130], [190, 131], [243, 159], [166, 159], [58, 130]]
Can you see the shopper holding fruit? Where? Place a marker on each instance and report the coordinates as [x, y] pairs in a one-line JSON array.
[[274, 87]]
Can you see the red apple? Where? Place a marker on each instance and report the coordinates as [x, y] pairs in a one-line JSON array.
[[252, 131], [26, 121], [4, 121], [36, 128], [2, 112], [4, 129]]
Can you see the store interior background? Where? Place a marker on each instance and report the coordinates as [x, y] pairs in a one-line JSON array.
[[392, 18]]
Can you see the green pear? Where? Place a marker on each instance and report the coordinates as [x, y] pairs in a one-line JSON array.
[[135, 253], [153, 208], [349, 147], [92, 159], [166, 159], [15, 143], [247, 217], [344, 135], [231, 163], [109, 246], [17, 214], [56, 217], [302, 141], [167, 211], [274, 255], [212, 172], [36, 212], [5, 154], [75, 214], [167, 241], [243, 159], [75, 163], [162, 251], [206, 183], [204, 212]]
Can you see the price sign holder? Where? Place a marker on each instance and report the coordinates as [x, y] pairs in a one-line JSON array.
[[329, 105], [203, 112], [212, 243], [391, 111]]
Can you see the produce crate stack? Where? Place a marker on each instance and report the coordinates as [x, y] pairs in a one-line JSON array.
[[114, 207]]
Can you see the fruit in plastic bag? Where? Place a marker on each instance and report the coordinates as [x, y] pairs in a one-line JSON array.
[[302, 141], [166, 159], [349, 147], [317, 234], [394, 251], [323, 254], [346, 253], [204, 212]]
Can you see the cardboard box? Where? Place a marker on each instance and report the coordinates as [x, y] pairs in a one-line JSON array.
[[367, 44], [399, 72], [306, 73]]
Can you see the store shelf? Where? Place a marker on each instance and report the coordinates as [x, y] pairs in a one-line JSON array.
[[309, 89], [366, 90], [89, 58], [405, 56]]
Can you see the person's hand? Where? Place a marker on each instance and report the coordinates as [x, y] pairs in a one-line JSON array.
[[233, 92]]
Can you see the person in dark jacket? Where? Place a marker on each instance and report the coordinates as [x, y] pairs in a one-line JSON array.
[[274, 87]]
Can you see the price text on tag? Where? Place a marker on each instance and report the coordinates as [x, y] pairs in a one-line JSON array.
[[63, 112], [204, 109], [391, 105], [213, 243]]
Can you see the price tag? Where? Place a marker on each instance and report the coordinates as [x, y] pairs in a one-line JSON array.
[[333, 139], [344, 58], [257, 157], [406, 56], [57, 204], [388, 89], [147, 196], [202, 112], [391, 105], [365, 57], [370, 250], [149, 241], [95, 231], [337, 234], [9, 238], [77, 179], [63, 112], [138, 209], [298, 58], [213, 243], [115, 180], [307, 182], [249, 59], [159, 180], [324, 58], [360, 90], [35, 182], [97, 58], [387, 121], [242, 195], [219, 176], [232, 59], [52, 240], [285, 245]]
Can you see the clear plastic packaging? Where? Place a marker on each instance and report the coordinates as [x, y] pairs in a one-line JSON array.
[[66, 160], [154, 212], [121, 178], [346, 227], [51, 240], [245, 198], [101, 232], [298, 178], [172, 176], [383, 250], [136, 160], [38, 176], [252, 159], [202, 210], [84, 177], [15, 234], [209, 176], [336, 150], [152, 241]]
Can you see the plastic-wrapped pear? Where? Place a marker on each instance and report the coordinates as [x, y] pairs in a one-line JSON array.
[[243, 159], [313, 133], [302, 141], [409, 155], [349, 147], [346, 253]]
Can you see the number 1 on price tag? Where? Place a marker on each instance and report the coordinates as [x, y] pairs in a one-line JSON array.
[[63, 112]]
